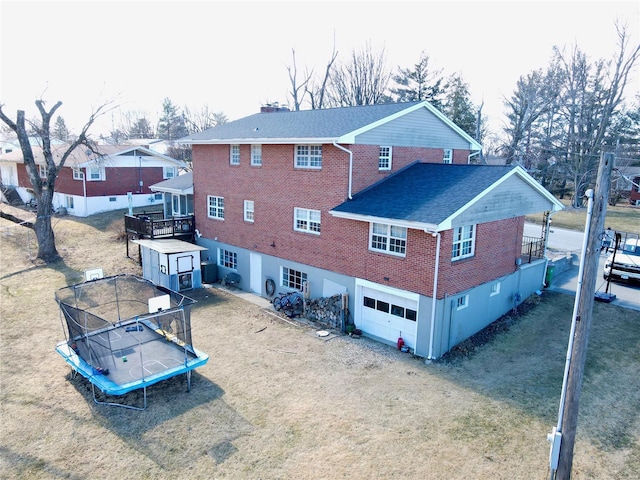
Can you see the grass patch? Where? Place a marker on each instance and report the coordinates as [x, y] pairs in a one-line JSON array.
[[623, 218], [276, 402]]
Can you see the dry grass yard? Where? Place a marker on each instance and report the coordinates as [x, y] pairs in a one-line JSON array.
[[276, 401]]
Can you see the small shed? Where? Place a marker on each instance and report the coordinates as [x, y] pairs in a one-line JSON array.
[[171, 263]]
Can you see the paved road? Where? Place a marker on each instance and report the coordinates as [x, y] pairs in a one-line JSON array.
[[562, 240]]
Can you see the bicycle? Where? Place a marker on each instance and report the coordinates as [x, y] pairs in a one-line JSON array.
[[290, 303]]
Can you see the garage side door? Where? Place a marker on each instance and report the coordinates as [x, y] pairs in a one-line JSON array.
[[388, 316]]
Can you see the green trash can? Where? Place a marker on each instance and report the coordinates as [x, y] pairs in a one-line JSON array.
[[549, 276]]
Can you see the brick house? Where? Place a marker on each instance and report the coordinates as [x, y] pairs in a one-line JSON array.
[[119, 177], [377, 202]]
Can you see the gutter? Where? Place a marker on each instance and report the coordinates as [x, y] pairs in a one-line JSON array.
[[435, 291], [335, 144]]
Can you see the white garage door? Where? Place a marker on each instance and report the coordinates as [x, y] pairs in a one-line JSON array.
[[388, 316]]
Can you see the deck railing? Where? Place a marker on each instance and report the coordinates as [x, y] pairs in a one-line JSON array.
[[532, 249], [153, 225]]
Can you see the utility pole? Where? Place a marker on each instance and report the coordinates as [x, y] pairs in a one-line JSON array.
[[565, 432]]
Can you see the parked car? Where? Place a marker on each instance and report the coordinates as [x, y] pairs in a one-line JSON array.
[[627, 262]]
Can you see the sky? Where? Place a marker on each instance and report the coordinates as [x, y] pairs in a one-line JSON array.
[[233, 56]]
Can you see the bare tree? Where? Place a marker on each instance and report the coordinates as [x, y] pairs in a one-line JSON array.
[[309, 86], [318, 92], [362, 81], [298, 90], [43, 188], [203, 119]]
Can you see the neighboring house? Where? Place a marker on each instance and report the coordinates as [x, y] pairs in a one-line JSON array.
[[634, 194], [376, 202], [119, 177], [625, 181]]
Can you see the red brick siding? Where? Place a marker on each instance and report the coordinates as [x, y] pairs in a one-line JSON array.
[[365, 162], [497, 246], [277, 187], [67, 185], [23, 176], [634, 196], [118, 181]]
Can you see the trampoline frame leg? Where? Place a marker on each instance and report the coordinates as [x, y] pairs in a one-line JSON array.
[[115, 404]]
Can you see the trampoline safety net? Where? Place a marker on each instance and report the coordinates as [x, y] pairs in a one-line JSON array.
[[107, 319]]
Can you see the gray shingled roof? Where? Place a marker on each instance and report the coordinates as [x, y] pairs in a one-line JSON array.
[[426, 193], [180, 183], [322, 123]]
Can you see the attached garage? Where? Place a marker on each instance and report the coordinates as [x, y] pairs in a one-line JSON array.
[[386, 313]]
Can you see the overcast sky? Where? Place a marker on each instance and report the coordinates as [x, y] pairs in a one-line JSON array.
[[233, 56]]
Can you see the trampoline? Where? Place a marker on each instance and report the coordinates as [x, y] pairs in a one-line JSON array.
[[125, 333]]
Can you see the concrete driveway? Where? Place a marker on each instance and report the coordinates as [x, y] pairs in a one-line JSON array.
[[563, 241]]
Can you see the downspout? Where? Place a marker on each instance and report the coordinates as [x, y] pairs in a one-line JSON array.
[[435, 291], [472, 155], [84, 190], [350, 165]]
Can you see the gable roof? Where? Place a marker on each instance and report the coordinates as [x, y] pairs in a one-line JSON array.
[[340, 125], [431, 196]]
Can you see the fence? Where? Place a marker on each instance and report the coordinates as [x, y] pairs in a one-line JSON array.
[[532, 249]]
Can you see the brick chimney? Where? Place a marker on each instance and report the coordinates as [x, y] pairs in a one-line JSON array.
[[273, 107]]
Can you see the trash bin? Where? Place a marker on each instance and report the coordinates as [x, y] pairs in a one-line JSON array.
[[549, 276], [209, 272]]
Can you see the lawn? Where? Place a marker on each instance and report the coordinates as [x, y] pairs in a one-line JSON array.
[[276, 401], [621, 217]]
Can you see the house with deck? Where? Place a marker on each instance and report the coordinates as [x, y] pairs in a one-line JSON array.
[[379, 204], [118, 177]]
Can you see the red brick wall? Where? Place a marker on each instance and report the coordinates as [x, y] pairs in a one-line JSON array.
[[365, 162], [497, 246], [67, 185], [343, 246], [118, 181]]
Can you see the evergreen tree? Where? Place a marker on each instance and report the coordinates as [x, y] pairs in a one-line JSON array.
[[419, 83], [458, 106], [60, 130], [172, 125]]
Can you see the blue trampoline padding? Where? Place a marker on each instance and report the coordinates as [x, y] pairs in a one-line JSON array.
[[111, 388]]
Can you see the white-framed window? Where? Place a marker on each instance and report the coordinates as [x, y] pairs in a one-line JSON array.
[[447, 155], [227, 258], [215, 207], [95, 173], [234, 155], [68, 200], [308, 156], [462, 302], [388, 238], [78, 174], [169, 172], [42, 171], [293, 278], [256, 155], [248, 211], [463, 242], [384, 158], [495, 289], [305, 220]]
